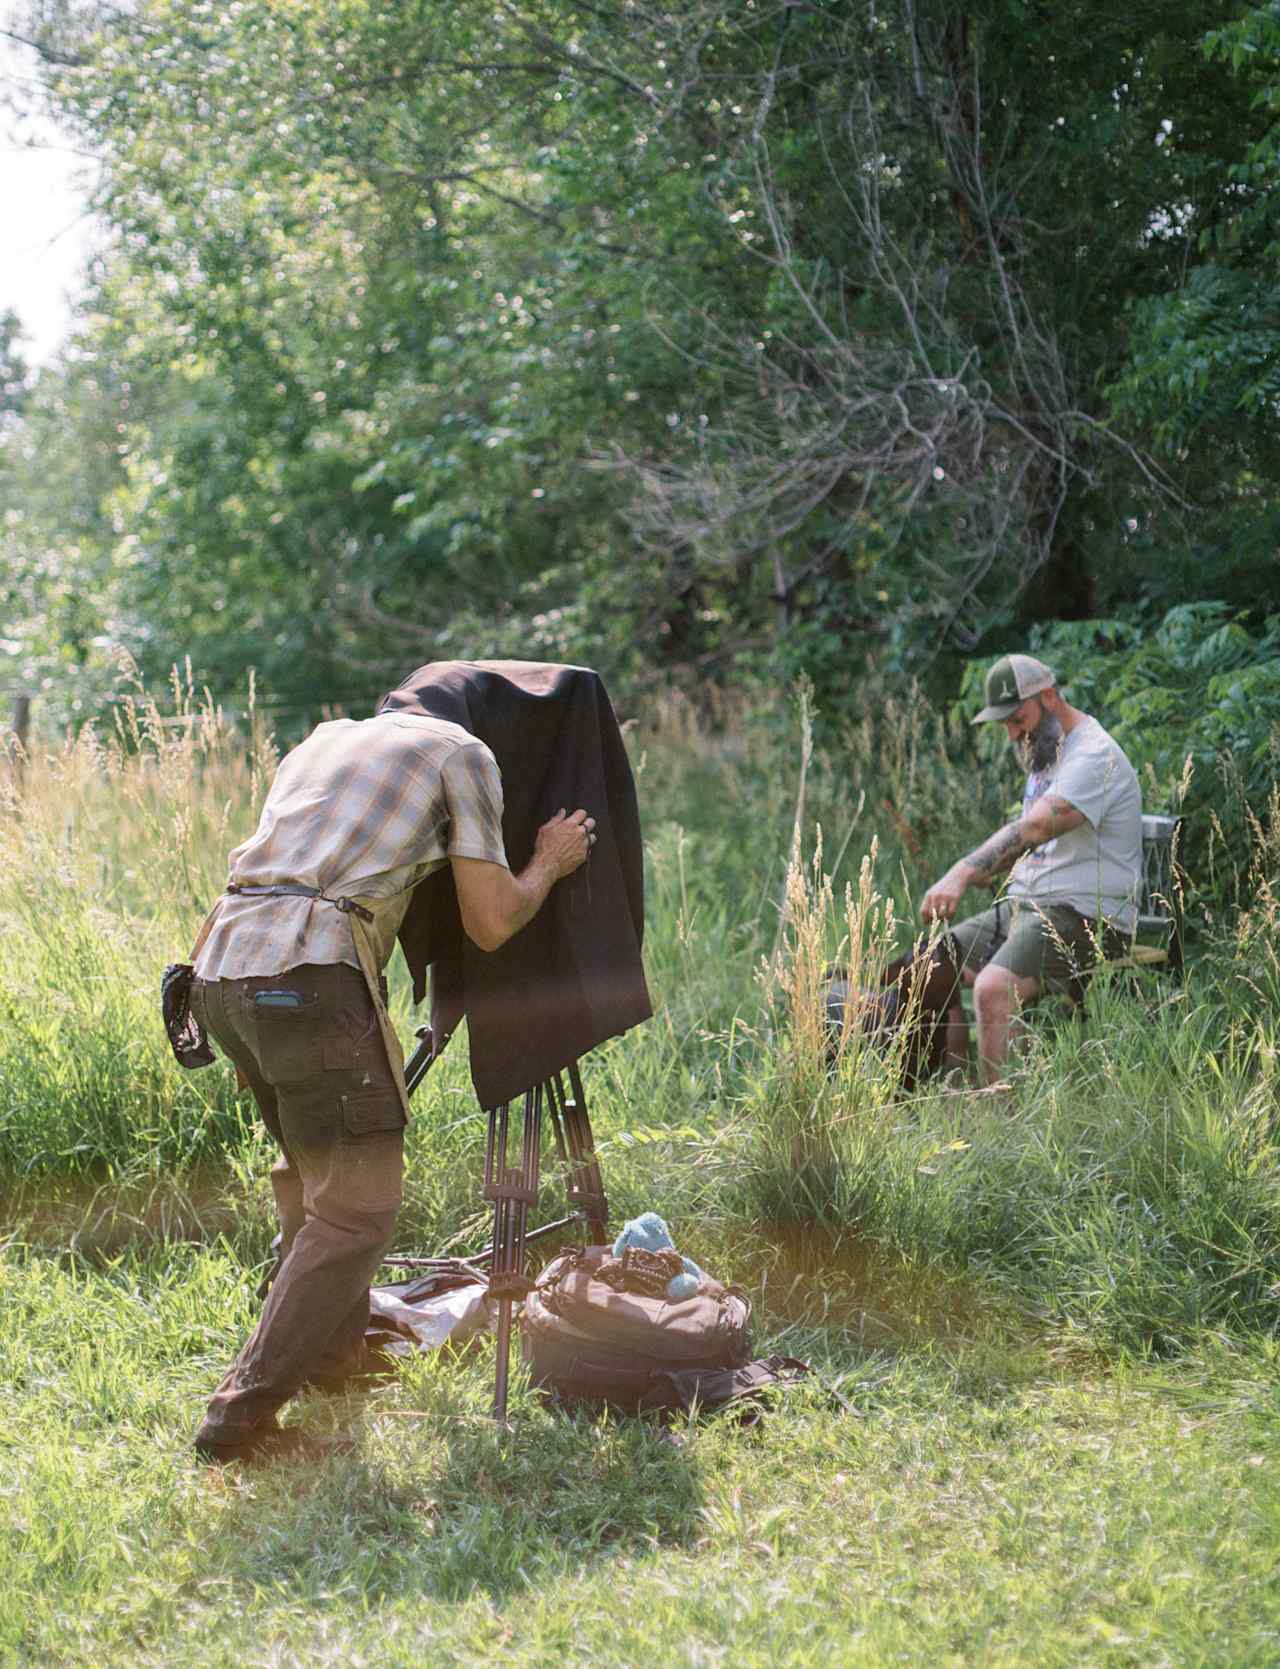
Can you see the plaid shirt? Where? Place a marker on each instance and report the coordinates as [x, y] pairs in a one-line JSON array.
[[364, 808]]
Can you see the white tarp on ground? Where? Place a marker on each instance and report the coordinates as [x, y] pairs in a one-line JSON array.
[[456, 1314]]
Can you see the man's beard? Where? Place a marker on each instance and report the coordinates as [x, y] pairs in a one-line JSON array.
[[1040, 749]]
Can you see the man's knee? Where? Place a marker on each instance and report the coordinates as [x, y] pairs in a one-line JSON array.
[[993, 989], [997, 992], [358, 1239], [376, 1233]]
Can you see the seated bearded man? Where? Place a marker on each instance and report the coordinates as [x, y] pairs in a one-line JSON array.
[[1072, 859]]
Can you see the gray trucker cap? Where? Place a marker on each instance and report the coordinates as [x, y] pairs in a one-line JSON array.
[[1011, 680]]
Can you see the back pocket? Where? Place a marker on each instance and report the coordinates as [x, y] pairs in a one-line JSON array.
[[289, 1041]]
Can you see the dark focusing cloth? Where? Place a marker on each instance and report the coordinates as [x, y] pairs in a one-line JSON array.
[[574, 976]]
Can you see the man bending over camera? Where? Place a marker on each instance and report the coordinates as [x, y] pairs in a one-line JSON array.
[[289, 984]]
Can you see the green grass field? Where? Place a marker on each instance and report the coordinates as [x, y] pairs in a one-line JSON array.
[[1051, 1320]]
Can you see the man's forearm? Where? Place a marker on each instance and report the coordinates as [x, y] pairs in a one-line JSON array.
[[998, 854], [1047, 818], [495, 904], [527, 894]]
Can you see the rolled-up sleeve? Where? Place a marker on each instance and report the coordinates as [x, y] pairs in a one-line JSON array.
[[473, 789]]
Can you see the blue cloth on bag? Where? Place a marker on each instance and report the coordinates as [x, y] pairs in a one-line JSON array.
[[649, 1233]]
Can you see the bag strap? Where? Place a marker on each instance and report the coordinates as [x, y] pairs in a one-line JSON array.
[[750, 1386]]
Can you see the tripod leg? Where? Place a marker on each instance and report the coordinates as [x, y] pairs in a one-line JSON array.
[[587, 1178], [502, 1366], [555, 1102], [513, 1189], [566, 1125]]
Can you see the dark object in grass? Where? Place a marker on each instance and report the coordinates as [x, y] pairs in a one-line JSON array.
[[370, 1368], [906, 1017]]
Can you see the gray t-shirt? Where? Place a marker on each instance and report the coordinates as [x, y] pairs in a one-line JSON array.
[[1097, 867]]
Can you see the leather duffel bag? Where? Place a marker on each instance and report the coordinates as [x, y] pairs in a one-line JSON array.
[[587, 1343]]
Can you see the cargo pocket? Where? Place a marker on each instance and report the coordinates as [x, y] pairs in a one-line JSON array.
[[372, 1151], [367, 1115]]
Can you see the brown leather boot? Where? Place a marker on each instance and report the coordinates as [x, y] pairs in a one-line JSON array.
[[269, 1443]]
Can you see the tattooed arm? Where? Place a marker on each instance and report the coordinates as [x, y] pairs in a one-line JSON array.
[[1042, 821]]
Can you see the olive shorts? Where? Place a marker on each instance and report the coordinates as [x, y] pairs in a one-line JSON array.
[[1051, 943]]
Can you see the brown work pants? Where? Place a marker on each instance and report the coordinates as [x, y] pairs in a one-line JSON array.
[[320, 1076]]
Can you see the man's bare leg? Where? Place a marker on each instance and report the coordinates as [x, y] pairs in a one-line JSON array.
[[998, 995], [955, 1045]]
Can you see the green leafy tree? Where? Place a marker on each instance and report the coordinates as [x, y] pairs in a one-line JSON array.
[[13, 367], [61, 460], [724, 335]]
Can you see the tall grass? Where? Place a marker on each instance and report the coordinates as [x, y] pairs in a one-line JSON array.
[[1127, 1190], [111, 848], [1126, 1193]]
